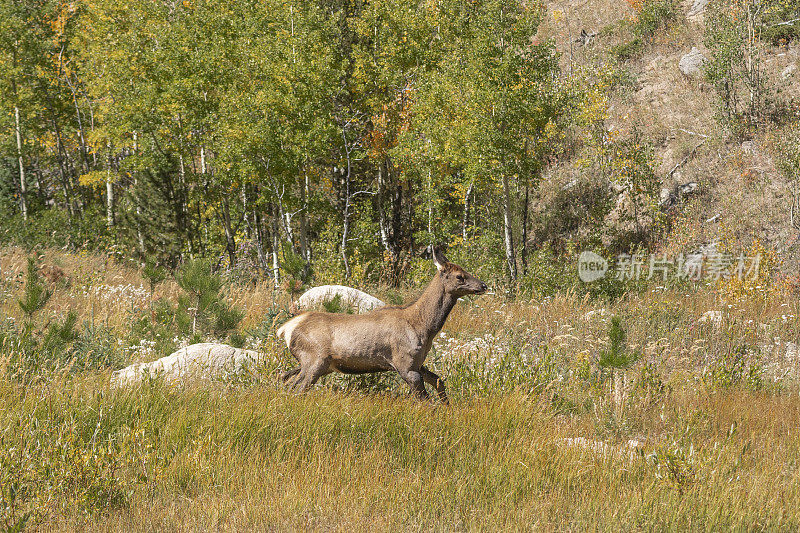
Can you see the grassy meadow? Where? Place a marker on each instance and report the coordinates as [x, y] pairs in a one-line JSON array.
[[699, 431]]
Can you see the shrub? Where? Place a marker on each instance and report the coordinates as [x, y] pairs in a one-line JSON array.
[[735, 367], [736, 68], [36, 294], [203, 308], [650, 17]]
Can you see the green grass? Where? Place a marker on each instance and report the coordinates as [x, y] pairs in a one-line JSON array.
[[715, 403], [255, 457]]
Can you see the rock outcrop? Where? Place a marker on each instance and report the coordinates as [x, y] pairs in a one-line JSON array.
[[692, 63]]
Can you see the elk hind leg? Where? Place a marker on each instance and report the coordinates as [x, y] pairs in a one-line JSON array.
[[311, 374]]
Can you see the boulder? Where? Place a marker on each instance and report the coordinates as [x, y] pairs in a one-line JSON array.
[[788, 72], [698, 6], [205, 360], [351, 297], [600, 314], [692, 63], [670, 197], [711, 317]]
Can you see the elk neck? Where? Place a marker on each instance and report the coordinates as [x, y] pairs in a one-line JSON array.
[[429, 313]]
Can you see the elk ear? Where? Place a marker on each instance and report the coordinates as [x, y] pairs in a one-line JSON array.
[[438, 258]]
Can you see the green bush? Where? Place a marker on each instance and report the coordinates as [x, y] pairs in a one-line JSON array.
[[654, 16], [202, 308], [736, 69], [736, 367], [651, 17]]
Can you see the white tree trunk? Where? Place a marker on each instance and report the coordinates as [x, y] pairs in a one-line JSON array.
[[276, 272], [109, 192], [508, 232], [23, 189], [304, 247], [139, 234], [465, 219]]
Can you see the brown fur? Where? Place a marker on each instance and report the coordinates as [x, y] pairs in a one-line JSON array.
[[390, 338]]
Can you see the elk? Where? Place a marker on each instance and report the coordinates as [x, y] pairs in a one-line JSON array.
[[395, 338]]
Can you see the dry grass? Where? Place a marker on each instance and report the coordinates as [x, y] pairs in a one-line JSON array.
[[720, 450], [353, 462]]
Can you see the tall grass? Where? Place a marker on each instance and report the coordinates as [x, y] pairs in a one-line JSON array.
[[700, 432], [254, 457]]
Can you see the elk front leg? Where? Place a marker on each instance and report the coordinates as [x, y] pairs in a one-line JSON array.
[[414, 379], [434, 381], [290, 373]]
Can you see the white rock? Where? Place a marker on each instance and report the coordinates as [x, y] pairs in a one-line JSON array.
[[601, 313], [691, 64], [711, 317], [603, 448], [788, 71], [791, 351], [665, 197], [698, 6], [350, 297], [206, 360]]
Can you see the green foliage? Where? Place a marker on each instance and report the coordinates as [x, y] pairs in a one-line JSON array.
[[781, 22], [255, 129], [153, 274], [95, 348], [549, 274], [736, 367], [152, 333], [60, 334], [335, 305], [651, 17], [617, 355], [627, 50], [788, 155], [675, 466], [36, 352], [736, 69], [36, 294], [205, 308]]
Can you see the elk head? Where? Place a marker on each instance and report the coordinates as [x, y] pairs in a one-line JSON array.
[[455, 279]]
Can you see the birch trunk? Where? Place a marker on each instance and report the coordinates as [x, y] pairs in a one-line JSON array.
[[276, 273], [383, 223], [346, 214], [109, 193], [524, 244], [430, 207], [262, 259], [23, 189], [137, 199], [230, 242], [508, 234], [465, 218], [305, 250]]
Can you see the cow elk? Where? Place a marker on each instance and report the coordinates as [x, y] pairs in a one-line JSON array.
[[386, 339]]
